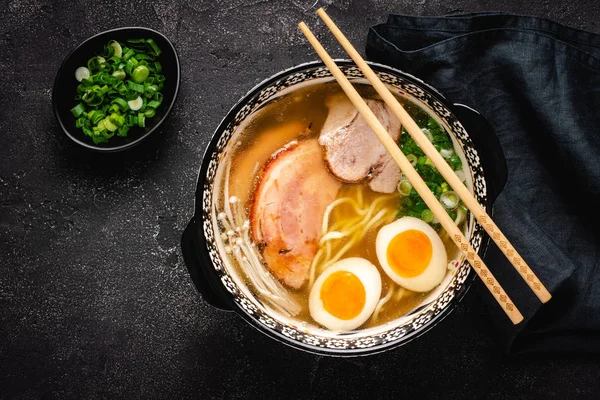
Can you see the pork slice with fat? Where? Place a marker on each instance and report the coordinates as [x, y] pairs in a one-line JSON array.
[[352, 150], [287, 211], [387, 177]]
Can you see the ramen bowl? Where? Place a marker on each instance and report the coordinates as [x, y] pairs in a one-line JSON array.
[[222, 287]]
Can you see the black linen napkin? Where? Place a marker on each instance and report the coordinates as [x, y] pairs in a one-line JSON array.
[[538, 84]]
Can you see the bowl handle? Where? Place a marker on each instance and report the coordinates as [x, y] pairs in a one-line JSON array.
[[206, 282], [488, 146]]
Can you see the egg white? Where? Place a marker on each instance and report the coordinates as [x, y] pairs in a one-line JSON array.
[[370, 278], [435, 271]]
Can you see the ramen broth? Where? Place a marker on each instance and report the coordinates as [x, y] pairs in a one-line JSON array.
[[300, 115]]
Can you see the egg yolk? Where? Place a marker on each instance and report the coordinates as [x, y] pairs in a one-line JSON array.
[[343, 295], [409, 253]]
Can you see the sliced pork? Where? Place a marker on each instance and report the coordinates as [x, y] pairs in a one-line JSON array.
[[287, 212], [387, 177], [352, 150]]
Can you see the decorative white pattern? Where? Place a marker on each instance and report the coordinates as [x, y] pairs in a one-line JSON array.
[[269, 92], [296, 78], [427, 314], [248, 306], [394, 335]]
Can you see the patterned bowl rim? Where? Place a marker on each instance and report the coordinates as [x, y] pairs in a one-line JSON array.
[[202, 186]]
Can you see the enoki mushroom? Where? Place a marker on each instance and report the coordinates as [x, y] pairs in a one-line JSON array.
[[235, 233]]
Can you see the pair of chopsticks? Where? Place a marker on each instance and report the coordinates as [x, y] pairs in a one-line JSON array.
[[418, 184]]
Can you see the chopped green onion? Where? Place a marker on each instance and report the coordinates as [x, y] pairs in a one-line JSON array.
[[82, 73], [419, 206], [432, 124], [136, 104], [404, 187], [87, 131], [135, 86], [78, 110], [81, 122], [123, 131], [117, 119], [446, 153], [407, 202], [117, 50], [128, 54], [143, 57], [153, 104], [154, 48], [108, 124], [102, 79], [455, 162], [427, 215], [412, 158], [427, 133], [120, 88], [119, 74], [136, 42], [122, 104], [449, 200], [140, 73], [95, 116], [129, 66], [131, 95], [95, 63]]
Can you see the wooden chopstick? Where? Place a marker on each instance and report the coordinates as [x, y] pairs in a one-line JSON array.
[[461, 190], [418, 184]]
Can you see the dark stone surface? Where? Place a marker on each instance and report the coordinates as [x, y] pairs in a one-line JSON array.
[[95, 301]]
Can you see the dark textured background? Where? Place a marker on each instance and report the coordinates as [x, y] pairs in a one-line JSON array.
[[95, 301]]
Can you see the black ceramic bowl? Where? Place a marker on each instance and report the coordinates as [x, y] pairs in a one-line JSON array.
[[474, 140], [65, 87]]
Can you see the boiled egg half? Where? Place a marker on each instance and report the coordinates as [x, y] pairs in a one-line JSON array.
[[412, 254], [346, 294]]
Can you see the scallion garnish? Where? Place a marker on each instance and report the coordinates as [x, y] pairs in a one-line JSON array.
[[411, 203], [119, 89]]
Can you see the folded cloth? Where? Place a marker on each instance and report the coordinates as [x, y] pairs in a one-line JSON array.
[[538, 84]]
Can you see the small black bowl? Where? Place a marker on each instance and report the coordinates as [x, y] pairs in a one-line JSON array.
[[65, 87]]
